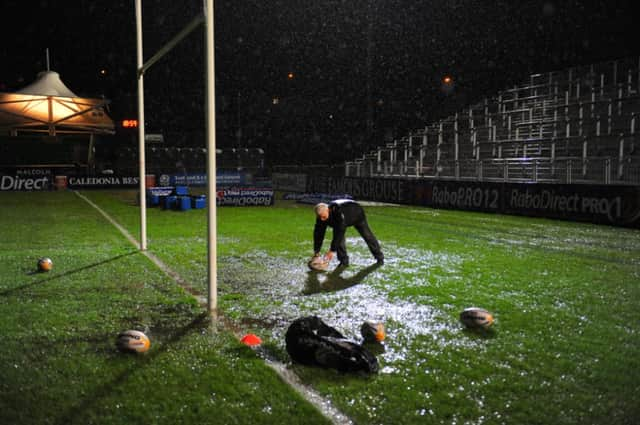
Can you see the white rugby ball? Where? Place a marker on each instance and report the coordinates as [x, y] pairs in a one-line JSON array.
[[133, 342], [476, 317]]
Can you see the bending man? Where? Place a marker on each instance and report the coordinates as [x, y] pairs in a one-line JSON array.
[[339, 215]]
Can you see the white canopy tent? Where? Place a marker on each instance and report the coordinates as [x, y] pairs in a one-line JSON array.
[[48, 106]]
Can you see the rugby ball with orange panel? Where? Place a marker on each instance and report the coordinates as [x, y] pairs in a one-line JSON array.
[[476, 318], [45, 264], [132, 341], [372, 332]]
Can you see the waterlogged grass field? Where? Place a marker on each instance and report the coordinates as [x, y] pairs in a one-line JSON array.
[[565, 347]]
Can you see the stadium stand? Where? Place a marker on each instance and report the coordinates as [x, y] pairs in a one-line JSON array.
[[178, 159], [45, 152], [572, 126]]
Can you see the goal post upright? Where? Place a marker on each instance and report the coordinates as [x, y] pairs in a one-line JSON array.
[[211, 157], [141, 149], [209, 56]]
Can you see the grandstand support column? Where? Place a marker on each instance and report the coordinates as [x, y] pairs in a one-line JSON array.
[[585, 151], [406, 157], [473, 133], [620, 91], [456, 139], [423, 150], [494, 130], [555, 122], [439, 146], [621, 159], [580, 120], [609, 113], [91, 155]]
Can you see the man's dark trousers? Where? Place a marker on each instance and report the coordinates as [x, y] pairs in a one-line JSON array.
[[374, 246]]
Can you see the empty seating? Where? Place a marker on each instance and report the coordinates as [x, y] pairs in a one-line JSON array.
[[584, 119]]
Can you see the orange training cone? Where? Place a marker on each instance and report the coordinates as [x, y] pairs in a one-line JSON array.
[[251, 340]]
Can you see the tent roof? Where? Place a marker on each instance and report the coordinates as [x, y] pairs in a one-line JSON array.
[[48, 83], [48, 105]]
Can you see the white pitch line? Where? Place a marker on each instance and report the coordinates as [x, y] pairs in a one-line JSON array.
[[155, 260], [322, 404], [117, 225]]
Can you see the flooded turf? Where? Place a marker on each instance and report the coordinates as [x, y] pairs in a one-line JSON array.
[[272, 292], [542, 279], [564, 296]]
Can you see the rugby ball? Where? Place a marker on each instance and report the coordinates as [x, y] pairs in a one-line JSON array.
[[133, 342], [45, 264], [372, 332], [318, 263], [476, 318]]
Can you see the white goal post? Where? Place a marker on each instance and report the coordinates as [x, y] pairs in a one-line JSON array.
[[141, 68]]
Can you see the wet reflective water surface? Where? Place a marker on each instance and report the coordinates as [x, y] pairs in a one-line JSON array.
[[278, 291], [541, 281]]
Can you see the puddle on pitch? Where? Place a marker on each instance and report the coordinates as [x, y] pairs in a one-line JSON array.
[[267, 293]]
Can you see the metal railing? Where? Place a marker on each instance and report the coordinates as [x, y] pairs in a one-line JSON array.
[[592, 170]]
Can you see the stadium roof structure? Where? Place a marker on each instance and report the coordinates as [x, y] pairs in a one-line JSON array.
[[48, 106]]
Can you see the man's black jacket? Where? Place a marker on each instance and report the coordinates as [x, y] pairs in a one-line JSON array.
[[342, 214]]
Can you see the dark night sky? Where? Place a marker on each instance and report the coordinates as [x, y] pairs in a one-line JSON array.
[[352, 60]]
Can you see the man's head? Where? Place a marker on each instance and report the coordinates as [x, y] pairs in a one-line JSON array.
[[322, 211]]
